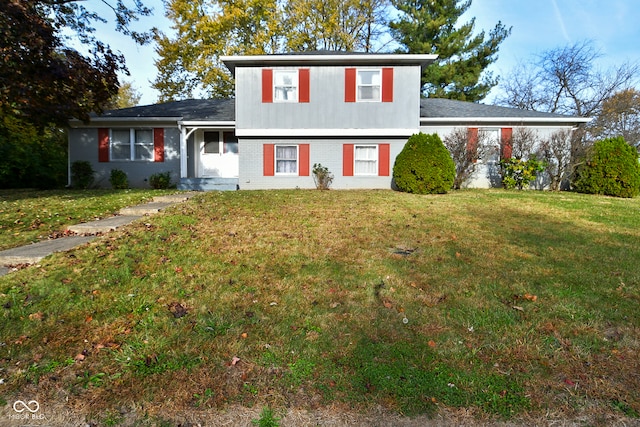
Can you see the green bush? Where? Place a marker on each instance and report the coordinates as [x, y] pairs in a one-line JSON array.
[[118, 179], [518, 173], [161, 181], [82, 174], [611, 168], [424, 166]]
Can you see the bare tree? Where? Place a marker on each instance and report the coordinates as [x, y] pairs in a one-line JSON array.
[[563, 152], [523, 142], [620, 116], [565, 80], [465, 147]]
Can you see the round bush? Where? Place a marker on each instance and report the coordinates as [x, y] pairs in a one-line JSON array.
[[424, 166], [611, 169]]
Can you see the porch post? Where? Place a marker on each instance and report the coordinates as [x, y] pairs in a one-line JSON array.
[[183, 152]]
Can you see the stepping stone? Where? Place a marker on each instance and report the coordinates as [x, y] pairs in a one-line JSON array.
[[146, 209], [175, 198], [103, 225], [33, 253]]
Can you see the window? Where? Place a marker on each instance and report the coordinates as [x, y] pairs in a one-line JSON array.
[[490, 145], [132, 144], [211, 143], [286, 159], [369, 84], [285, 86], [230, 144], [366, 160]]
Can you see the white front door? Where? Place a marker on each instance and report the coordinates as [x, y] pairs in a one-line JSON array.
[[219, 154]]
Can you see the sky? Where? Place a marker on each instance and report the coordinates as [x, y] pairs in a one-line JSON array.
[[537, 26]]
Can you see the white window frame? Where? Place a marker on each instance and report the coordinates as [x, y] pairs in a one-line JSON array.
[[275, 160], [295, 85], [374, 161], [133, 143], [491, 147], [359, 84]]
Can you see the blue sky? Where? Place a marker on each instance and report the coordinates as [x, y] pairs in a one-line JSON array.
[[538, 25]]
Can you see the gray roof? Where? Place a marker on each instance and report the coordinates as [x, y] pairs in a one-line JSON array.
[[188, 109], [447, 108], [430, 108]]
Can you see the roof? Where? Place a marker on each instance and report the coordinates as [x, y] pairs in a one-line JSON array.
[[440, 109], [432, 110], [185, 110], [328, 58]]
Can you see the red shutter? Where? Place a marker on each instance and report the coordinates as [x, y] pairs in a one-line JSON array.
[[472, 144], [505, 142], [350, 85], [267, 85], [158, 145], [303, 153], [103, 145], [303, 83], [383, 159], [347, 160], [387, 85], [268, 159]]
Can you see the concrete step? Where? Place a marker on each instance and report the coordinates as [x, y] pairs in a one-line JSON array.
[[103, 225], [146, 209], [33, 253]]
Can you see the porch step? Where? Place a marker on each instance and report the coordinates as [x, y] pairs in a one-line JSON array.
[[208, 184]]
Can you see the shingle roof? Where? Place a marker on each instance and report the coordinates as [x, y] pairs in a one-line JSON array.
[[447, 108], [224, 110], [188, 109]]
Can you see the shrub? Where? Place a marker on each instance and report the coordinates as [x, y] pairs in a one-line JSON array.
[[118, 179], [518, 173], [322, 177], [611, 168], [82, 174], [161, 181], [424, 166]]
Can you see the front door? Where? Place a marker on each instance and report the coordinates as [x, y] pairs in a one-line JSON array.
[[219, 155]]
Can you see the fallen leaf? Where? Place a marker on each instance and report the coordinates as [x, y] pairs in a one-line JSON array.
[[79, 357], [178, 269], [458, 254], [568, 382], [244, 335], [36, 316], [387, 303], [88, 319], [432, 344], [516, 307], [177, 309], [530, 297], [235, 360]]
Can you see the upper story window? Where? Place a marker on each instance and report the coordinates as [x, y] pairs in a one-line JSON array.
[[285, 86], [369, 84], [132, 144]]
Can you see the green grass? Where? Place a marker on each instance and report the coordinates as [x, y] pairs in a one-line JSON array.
[[511, 304], [28, 216]]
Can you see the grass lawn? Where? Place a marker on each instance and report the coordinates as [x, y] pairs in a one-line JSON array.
[[28, 216], [513, 305]]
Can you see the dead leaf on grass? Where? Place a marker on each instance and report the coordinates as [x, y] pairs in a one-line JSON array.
[[36, 316], [516, 307], [178, 310]]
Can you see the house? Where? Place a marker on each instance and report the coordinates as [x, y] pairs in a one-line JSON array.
[[350, 112]]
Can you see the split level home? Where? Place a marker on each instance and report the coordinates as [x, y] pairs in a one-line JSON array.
[[349, 112]]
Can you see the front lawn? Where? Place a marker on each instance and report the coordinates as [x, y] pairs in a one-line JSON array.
[[28, 216], [513, 305]]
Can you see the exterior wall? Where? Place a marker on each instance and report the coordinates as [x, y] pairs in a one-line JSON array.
[[487, 174], [327, 152], [326, 108], [83, 146]]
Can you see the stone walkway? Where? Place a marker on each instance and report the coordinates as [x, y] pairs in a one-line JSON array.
[[85, 232]]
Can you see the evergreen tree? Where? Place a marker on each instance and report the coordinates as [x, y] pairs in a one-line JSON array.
[[429, 26]]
